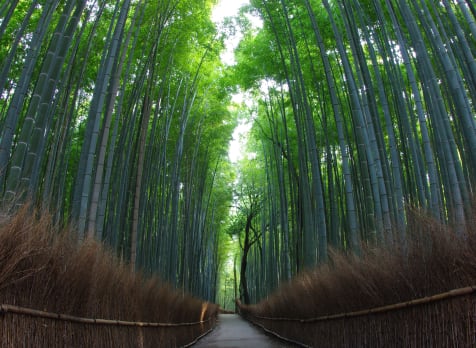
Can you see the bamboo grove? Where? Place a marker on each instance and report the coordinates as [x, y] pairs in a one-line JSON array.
[[365, 108], [113, 115]]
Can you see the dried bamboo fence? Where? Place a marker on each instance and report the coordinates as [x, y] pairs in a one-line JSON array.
[[25, 327], [444, 320]]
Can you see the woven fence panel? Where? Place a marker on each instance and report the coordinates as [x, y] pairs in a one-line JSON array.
[[30, 331], [446, 323]]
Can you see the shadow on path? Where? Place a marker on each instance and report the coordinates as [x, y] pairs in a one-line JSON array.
[[234, 332]]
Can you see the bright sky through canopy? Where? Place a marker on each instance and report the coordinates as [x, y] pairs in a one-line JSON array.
[[227, 8], [223, 9], [231, 8]]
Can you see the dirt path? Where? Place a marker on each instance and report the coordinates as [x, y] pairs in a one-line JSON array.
[[234, 332]]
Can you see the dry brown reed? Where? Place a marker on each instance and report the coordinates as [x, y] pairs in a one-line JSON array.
[[44, 268], [435, 261]]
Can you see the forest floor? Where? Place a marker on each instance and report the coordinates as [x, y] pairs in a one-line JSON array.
[[234, 332]]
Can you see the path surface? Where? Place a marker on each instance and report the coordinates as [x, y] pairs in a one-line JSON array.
[[234, 332]]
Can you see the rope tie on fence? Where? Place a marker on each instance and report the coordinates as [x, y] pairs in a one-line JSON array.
[[6, 308], [429, 299]]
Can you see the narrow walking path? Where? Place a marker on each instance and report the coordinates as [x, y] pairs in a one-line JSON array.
[[234, 332]]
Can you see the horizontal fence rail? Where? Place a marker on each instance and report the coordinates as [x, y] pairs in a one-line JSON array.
[[444, 320], [5, 308], [27, 327], [424, 300]]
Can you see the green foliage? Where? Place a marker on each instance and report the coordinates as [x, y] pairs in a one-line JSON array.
[[338, 87], [256, 60], [139, 122]]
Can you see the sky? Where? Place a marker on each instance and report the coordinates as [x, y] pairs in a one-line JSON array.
[[229, 8], [226, 8]]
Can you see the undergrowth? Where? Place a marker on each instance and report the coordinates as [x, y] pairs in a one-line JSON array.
[[436, 260], [44, 268], [335, 305]]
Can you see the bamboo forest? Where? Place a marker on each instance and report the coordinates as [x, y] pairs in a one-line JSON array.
[[338, 141]]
